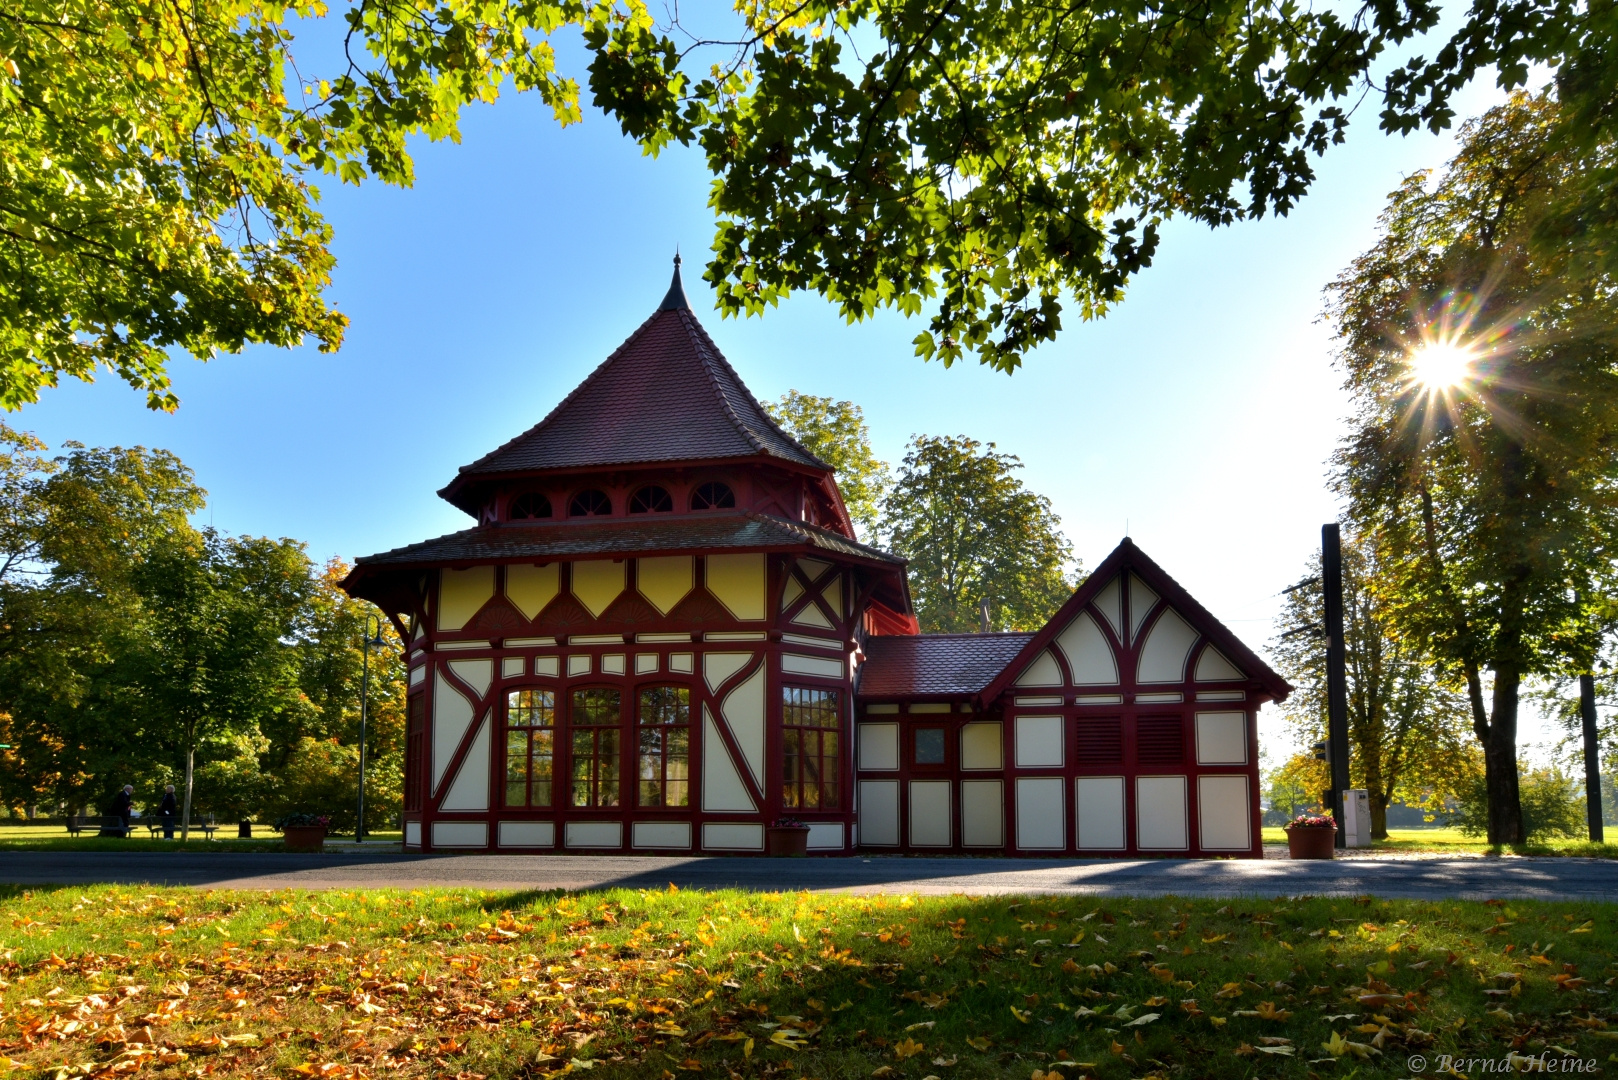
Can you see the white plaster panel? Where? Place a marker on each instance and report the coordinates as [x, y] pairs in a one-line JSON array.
[[1089, 656], [661, 834], [1168, 646], [983, 813], [732, 837], [645, 663], [527, 834], [478, 674], [1098, 809], [879, 746], [530, 588], [722, 787], [813, 568], [612, 664], [1224, 813], [468, 834], [982, 746], [879, 813], [737, 581], [811, 615], [833, 594], [597, 583], [579, 665], [681, 662], [1042, 672], [511, 667], [1160, 813], [664, 580], [1221, 738], [452, 715], [1213, 667], [1110, 602], [719, 666], [461, 593], [418, 674], [826, 836], [548, 665], [1039, 742], [412, 833], [743, 710], [790, 592], [929, 813], [595, 834], [1041, 815], [1141, 601], [470, 789], [811, 665]]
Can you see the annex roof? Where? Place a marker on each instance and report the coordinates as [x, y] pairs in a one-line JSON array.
[[666, 394], [620, 538], [935, 665]]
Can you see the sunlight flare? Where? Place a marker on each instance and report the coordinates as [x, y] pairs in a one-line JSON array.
[[1441, 365]]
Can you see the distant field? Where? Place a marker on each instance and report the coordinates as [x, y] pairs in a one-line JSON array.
[[55, 837], [1441, 839]]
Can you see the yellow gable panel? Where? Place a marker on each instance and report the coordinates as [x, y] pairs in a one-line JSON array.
[[664, 580], [532, 587], [461, 593], [597, 583], [737, 581]]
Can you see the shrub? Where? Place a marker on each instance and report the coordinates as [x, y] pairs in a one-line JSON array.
[[1552, 805]]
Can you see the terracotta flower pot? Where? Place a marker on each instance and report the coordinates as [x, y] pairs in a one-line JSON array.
[[786, 841], [304, 837], [1316, 842]]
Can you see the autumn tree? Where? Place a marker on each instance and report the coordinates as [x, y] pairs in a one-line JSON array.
[[985, 161], [1480, 469], [835, 432], [1407, 724], [973, 533]]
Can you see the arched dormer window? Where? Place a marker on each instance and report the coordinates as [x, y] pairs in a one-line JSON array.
[[651, 499], [590, 503], [713, 496], [527, 506]]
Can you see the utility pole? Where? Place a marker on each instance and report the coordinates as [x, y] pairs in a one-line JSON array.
[[1331, 572], [1592, 758]]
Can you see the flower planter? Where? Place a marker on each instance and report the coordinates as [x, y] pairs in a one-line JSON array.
[[1312, 842], [304, 837], [786, 841]]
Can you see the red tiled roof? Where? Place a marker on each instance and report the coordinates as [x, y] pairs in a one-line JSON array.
[[935, 664], [666, 394], [621, 537]]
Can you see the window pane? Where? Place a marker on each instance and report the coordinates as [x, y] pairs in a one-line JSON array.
[[517, 793], [665, 705], [530, 708], [607, 768], [930, 746], [596, 706], [539, 769]]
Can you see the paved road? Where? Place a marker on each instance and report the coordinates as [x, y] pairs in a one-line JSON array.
[[1590, 879]]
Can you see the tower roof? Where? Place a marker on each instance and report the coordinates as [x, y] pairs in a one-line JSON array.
[[666, 394]]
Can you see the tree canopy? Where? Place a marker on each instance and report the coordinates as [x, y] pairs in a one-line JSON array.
[[1487, 490], [835, 432], [159, 163], [973, 533]]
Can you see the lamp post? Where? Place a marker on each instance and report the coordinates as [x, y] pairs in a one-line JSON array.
[[368, 640]]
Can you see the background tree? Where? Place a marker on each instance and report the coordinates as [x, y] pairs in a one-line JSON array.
[[835, 432], [973, 532], [1407, 726], [157, 186], [1481, 468]]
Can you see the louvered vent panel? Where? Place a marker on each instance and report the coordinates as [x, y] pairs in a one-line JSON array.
[[1160, 740], [1101, 742]]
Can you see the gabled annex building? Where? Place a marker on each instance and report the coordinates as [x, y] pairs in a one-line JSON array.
[[661, 636]]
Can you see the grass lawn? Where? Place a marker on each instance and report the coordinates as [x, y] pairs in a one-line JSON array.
[[1440, 840], [56, 838], [459, 984]]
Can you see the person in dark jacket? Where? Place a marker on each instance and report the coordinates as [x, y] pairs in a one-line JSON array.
[[167, 812], [123, 806]]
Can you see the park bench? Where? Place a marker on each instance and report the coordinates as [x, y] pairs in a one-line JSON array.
[[154, 826], [104, 824]]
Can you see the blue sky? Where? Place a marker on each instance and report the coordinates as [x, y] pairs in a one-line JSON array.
[[1198, 415]]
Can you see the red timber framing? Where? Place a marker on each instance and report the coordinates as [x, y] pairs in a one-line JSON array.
[[1125, 727]]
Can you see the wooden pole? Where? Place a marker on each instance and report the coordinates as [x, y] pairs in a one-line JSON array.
[[1331, 572], [1592, 758]]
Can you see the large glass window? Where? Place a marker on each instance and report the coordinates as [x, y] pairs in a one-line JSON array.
[[530, 747], [593, 717], [664, 740], [810, 722]]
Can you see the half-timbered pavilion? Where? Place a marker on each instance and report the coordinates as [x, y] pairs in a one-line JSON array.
[[661, 635]]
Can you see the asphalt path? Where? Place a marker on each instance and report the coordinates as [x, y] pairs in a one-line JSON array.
[[1413, 878]]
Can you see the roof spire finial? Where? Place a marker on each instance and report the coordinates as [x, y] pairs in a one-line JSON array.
[[675, 299]]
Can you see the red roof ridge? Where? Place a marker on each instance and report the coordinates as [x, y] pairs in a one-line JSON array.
[[711, 356]]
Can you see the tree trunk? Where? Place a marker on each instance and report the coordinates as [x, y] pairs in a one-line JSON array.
[[1379, 816], [1500, 761], [185, 817]]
